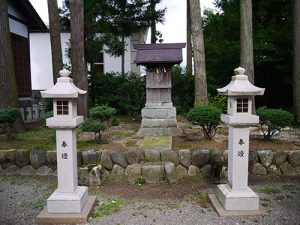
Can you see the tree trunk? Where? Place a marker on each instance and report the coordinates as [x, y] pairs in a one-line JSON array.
[[153, 24], [189, 55], [123, 55], [296, 60], [57, 63], [199, 54], [8, 85], [79, 70], [246, 41]]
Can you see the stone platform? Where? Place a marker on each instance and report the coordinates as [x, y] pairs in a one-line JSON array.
[[222, 212], [159, 120], [68, 218]]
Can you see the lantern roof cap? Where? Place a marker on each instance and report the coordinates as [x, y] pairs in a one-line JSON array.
[[240, 85], [64, 88]]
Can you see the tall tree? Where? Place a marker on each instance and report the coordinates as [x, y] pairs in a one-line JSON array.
[[156, 16], [296, 59], [153, 24], [189, 54], [272, 45], [199, 54], [57, 63], [246, 39], [8, 86], [79, 71]]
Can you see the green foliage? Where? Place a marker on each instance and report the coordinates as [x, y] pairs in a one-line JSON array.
[[115, 122], [8, 118], [48, 115], [93, 126], [141, 181], [219, 101], [207, 116], [269, 190], [109, 206], [272, 40], [102, 112], [126, 92], [274, 120], [182, 90], [9, 115]]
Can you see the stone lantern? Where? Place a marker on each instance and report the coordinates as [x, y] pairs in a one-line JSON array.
[[236, 195], [68, 198], [159, 115]]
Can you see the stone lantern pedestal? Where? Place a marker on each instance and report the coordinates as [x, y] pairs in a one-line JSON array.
[[235, 197], [69, 203]]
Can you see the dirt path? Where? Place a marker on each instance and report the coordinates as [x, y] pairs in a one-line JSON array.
[[21, 199]]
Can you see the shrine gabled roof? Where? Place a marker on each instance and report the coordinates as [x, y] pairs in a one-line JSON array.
[[170, 53], [240, 86]]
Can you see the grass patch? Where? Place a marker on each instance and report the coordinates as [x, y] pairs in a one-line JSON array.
[[199, 198], [184, 145], [110, 206], [173, 205], [122, 133], [34, 138], [269, 190], [202, 199], [88, 144], [141, 181], [130, 143], [156, 142], [43, 194]]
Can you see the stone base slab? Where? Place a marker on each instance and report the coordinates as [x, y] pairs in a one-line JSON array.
[[159, 131], [237, 199], [222, 212], [60, 202], [67, 218], [159, 113]]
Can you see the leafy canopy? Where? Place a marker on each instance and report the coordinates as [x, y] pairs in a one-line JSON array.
[[207, 116], [274, 120]]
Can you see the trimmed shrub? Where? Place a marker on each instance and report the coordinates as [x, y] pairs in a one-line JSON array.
[[219, 101], [8, 118], [125, 92], [102, 112], [115, 122], [207, 116], [273, 120], [93, 126]]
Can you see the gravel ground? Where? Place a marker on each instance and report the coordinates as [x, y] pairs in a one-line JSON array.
[[21, 200]]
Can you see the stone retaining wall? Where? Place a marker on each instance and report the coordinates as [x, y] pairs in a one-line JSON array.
[[149, 166]]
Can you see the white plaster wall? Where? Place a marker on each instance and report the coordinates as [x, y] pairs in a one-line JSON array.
[[18, 28], [113, 64], [41, 59]]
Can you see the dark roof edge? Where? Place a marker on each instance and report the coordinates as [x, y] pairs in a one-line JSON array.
[[159, 46], [33, 13]]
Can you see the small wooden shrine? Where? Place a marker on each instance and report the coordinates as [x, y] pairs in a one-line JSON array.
[[159, 115]]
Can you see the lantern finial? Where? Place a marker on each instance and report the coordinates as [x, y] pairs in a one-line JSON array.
[[64, 73], [239, 71]]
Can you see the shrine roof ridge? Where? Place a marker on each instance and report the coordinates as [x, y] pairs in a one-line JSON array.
[[159, 46]]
